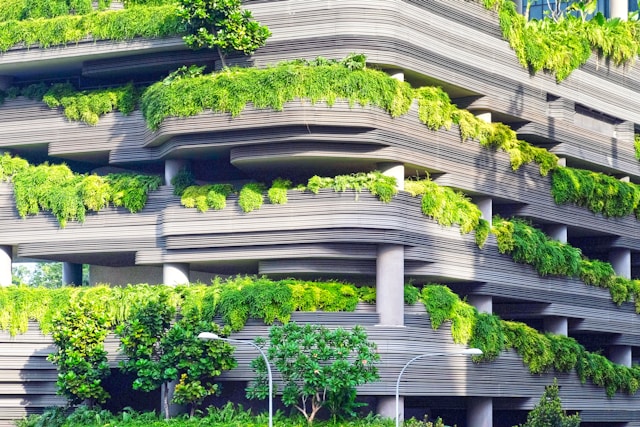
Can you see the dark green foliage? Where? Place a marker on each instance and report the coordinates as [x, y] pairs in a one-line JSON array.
[[411, 294], [136, 21], [183, 179], [229, 91], [131, 190], [33, 9], [259, 299], [320, 367], [488, 336], [549, 413], [531, 246], [221, 24], [205, 197], [598, 192], [81, 360], [251, 196]]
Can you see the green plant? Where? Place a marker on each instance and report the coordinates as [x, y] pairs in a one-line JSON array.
[[183, 179], [80, 357], [278, 192], [206, 197], [548, 412], [251, 196], [636, 145], [597, 192], [221, 24], [319, 367]]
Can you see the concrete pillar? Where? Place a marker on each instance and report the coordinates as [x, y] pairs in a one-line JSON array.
[[556, 325], [175, 274], [557, 232], [482, 303], [6, 253], [518, 5], [386, 407], [485, 204], [390, 284], [483, 115], [71, 274], [395, 170], [480, 412], [619, 9], [620, 259], [5, 82], [171, 168], [396, 74], [174, 408], [562, 161], [621, 354]]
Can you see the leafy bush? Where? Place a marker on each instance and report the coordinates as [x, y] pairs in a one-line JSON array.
[[548, 412], [278, 192], [206, 197], [251, 196], [320, 367], [183, 179]]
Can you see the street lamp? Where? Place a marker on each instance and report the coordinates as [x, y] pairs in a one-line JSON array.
[[209, 336], [468, 351]]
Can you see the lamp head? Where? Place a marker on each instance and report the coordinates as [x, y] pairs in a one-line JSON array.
[[208, 336], [472, 352]]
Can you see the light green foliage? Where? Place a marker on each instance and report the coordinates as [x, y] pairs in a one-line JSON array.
[[636, 146], [319, 367], [562, 43], [221, 24], [88, 106], [81, 360], [434, 107], [33, 9], [381, 186], [251, 196], [230, 90], [529, 245], [442, 304], [448, 207], [548, 412], [278, 192], [68, 196], [597, 192], [205, 197], [135, 21]]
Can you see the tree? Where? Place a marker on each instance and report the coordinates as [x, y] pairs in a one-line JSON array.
[[548, 412], [319, 367], [47, 274], [221, 24], [159, 353]]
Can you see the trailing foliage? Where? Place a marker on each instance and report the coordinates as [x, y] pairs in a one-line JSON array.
[[597, 192], [381, 186], [67, 195], [540, 352], [88, 106], [449, 207], [32, 9], [135, 21], [531, 246], [320, 367], [563, 44], [230, 90]]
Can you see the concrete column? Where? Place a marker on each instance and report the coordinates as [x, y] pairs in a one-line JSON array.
[[6, 253], [480, 412], [396, 74], [619, 9], [518, 5], [620, 259], [71, 274], [390, 284], [485, 204], [557, 232], [562, 161], [483, 115], [482, 303], [556, 325], [395, 170], [387, 407], [175, 274], [620, 354], [174, 408], [5, 82], [171, 168]]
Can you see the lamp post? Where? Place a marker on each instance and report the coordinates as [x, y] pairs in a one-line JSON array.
[[209, 336], [468, 351]]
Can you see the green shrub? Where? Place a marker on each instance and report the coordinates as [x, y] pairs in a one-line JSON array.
[[251, 196], [206, 197], [278, 192]]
